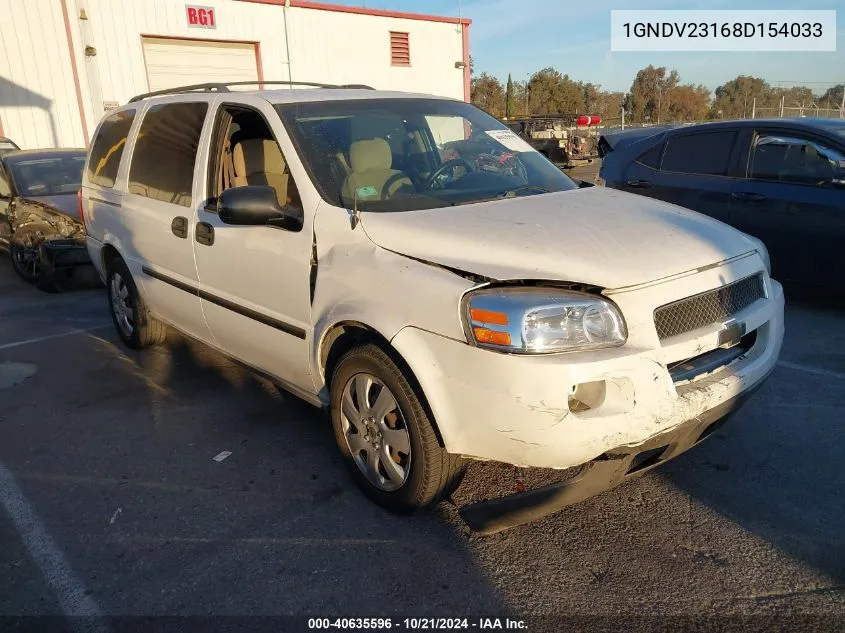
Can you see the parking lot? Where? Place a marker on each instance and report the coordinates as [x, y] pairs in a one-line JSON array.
[[113, 504]]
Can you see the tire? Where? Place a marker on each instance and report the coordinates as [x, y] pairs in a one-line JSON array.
[[429, 473], [132, 320], [23, 251]]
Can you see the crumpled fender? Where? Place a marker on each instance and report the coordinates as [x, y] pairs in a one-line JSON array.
[[360, 282]]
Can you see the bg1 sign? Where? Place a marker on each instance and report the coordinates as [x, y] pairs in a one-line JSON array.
[[201, 17]]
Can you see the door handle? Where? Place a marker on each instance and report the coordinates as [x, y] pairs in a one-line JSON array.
[[639, 184], [747, 196], [204, 233], [179, 227]]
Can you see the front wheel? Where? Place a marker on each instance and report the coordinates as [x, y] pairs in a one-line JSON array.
[[385, 434], [23, 251]]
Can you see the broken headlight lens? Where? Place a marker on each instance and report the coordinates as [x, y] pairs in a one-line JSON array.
[[541, 320]]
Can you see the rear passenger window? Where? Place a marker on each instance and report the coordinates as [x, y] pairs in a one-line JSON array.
[[792, 158], [651, 158], [107, 148], [166, 151], [706, 153]]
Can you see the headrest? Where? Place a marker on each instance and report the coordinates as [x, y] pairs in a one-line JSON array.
[[257, 155], [369, 155]]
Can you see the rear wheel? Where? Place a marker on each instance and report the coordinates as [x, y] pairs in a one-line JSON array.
[[385, 434], [135, 326]]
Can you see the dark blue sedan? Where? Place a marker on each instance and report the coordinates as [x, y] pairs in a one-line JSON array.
[[780, 180]]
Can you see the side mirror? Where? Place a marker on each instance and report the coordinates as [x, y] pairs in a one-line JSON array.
[[257, 205]]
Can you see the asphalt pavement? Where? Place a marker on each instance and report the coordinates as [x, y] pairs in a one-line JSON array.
[[111, 502]]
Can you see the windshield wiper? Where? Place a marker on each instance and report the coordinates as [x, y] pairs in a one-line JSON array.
[[512, 193]]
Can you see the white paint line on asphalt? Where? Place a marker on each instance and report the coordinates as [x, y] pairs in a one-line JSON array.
[[52, 336], [285, 541], [812, 370], [69, 590]]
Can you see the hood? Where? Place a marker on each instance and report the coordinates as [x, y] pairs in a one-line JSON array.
[[595, 236], [66, 204]]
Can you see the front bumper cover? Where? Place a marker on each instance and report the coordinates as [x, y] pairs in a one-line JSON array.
[[601, 474], [60, 256]]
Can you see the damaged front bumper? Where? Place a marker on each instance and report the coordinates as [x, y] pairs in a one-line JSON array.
[[603, 473], [605, 410], [521, 409]]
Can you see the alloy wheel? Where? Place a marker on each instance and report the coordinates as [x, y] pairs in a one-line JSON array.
[[26, 261], [122, 304], [375, 432]]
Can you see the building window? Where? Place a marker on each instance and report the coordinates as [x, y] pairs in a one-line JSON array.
[[400, 49]]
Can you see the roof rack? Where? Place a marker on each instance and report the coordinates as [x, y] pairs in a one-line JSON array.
[[224, 87]]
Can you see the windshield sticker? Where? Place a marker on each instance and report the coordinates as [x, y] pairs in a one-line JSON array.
[[509, 140], [366, 192]]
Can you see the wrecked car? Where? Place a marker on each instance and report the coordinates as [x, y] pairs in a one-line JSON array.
[[39, 214], [414, 267]]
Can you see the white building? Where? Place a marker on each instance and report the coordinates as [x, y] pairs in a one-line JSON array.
[[63, 62]]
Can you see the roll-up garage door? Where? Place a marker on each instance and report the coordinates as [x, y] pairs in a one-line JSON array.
[[172, 62]]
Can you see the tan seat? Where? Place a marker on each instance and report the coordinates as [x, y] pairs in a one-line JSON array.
[[371, 162], [260, 162]]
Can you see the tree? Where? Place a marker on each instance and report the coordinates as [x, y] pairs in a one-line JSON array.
[[592, 98], [688, 103], [520, 98], [487, 93], [736, 98], [610, 105], [832, 97], [510, 106], [797, 96], [648, 91], [549, 92]]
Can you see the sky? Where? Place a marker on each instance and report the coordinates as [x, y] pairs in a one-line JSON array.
[[520, 37]]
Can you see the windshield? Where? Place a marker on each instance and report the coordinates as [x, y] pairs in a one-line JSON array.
[[404, 154], [49, 175]]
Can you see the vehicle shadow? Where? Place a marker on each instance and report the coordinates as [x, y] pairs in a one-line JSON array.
[[234, 499], [78, 278], [783, 484]]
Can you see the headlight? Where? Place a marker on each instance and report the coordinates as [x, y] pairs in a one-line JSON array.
[[541, 320]]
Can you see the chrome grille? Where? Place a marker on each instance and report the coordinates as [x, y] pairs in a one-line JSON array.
[[713, 306]]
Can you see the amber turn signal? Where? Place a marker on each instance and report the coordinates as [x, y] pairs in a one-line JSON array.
[[491, 337]]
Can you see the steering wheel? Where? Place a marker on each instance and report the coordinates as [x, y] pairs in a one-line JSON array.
[[386, 193], [448, 166]]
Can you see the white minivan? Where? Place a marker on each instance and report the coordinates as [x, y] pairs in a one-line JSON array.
[[413, 266]]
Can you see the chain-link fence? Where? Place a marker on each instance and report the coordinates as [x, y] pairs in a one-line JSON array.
[[797, 111]]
